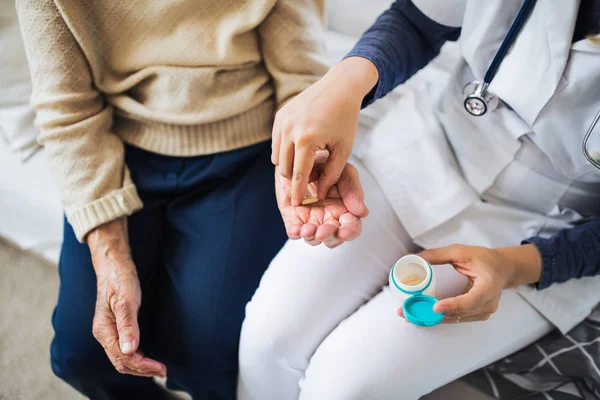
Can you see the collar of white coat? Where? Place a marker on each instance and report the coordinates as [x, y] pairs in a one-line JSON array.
[[531, 72]]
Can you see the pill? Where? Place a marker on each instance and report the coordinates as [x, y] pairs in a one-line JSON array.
[[309, 200], [412, 280]]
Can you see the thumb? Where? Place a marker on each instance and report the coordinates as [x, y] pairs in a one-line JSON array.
[[331, 173], [442, 255], [127, 325], [351, 192]]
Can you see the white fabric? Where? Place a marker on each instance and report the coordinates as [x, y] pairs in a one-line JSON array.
[[320, 326], [433, 163], [450, 14], [353, 17], [30, 212], [531, 71], [16, 115], [433, 160]]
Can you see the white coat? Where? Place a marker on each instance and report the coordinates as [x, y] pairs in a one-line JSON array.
[[523, 162]]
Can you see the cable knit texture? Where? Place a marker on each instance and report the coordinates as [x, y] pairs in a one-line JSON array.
[[183, 78]]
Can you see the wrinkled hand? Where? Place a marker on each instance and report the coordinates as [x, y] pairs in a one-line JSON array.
[[323, 117], [490, 271], [331, 221], [118, 300]]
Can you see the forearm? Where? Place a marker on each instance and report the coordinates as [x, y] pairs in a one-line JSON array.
[[523, 264], [110, 243], [569, 254], [402, 41], [356, 74]]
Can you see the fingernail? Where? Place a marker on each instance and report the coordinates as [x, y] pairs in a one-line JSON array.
[[126, 347]]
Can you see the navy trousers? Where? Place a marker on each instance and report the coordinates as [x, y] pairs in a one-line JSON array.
[[208, 230]]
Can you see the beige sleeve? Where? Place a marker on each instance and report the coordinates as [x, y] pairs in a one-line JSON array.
[[86, 158], [293, 46]]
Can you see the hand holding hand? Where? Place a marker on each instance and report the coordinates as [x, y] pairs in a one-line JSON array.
[[333, 220], [489, 271], [118, 300], [323, 117]]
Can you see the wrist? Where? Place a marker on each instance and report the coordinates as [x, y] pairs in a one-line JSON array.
[[524, 265], [358, 74], [113, 232], [110, 242]]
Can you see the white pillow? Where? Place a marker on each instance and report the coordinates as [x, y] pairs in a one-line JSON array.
[[16, 115], [353, 17]]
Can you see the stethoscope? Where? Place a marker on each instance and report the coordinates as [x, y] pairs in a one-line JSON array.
[[478, 100], [592, 151]]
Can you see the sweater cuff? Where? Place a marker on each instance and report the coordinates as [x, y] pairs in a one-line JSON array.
[[124, 201], [548, 261]]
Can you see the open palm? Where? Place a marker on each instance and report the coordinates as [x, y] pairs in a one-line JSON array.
[[332, 220]]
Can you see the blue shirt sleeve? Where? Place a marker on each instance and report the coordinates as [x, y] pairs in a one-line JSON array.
[[402, 41], [571, 253]]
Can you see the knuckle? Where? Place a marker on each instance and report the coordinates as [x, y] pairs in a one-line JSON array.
[[332, 175], [285, 173], [279, 115], [307, 138], [350, 171], [97, 332], [287, 126], [299, 176], [485, 317], [456, 248], [431, 253], [118, 363], [120, 367], [121, 305], [459, 252], [478, 300]]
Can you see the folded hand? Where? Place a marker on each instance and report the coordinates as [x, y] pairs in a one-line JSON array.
[[332, 220]]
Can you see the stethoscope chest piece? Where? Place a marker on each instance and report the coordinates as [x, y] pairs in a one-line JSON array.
[[478, 101]]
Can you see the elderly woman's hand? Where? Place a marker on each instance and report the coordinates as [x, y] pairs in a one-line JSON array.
[[333, 220], [323, 117], [489, 271], [119, 297]]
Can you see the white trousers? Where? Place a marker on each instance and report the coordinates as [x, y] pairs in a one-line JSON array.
[[323, 326]]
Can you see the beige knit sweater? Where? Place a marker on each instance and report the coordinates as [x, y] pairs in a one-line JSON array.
[[181, 78]]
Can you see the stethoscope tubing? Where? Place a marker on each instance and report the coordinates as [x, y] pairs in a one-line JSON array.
[[586, 138]]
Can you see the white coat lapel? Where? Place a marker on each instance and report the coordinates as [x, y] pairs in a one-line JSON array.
[[532, 70]]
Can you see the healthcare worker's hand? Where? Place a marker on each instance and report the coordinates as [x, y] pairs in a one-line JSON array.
[[489, 271], [323, 117], [331, 221], [118, 300]]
